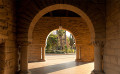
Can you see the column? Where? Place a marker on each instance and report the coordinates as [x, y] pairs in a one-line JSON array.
[[80, 53], [40, 53], [77, 53], [24, 59], [43, 53], [98, 48]]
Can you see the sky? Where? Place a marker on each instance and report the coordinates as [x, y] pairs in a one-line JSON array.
[[67, 33]]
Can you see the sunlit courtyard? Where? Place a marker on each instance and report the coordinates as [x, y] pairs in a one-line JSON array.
[[61, 64]]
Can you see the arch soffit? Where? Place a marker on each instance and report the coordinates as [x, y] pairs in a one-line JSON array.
[[56, 7]]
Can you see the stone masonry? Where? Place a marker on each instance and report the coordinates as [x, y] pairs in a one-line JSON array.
[[17, 15], [8, 50], [112, 48], [75, 25]]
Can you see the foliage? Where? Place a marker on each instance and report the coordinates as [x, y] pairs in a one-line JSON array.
[[52, 41], [50, 51], [58, 43], [71, 41], [65, 49], [60, 33], [55, 51], [70, 50]]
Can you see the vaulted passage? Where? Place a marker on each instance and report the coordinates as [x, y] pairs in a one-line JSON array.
[[25, 25], [56, 20], [76, 25], [42, 24], [58, 59]]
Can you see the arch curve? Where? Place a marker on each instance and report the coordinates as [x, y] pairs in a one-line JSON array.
[[62, 29], [56, 7]]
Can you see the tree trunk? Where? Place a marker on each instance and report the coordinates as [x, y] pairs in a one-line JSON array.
[[57, 39], [61, 43], [65, 37]]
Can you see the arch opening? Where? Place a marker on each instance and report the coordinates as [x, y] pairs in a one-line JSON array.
[[78, 28], [61, 7], [57, 7], [60, 42]]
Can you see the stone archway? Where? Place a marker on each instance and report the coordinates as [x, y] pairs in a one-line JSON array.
[[43, 56], [75, 25], [39, 45], [65, 7], [24, 65]]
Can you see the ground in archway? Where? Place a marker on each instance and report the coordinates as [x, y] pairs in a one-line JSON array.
[[61, 64]]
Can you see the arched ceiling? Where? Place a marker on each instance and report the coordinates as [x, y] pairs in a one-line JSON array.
[[27, 10], [76, 25], [61, 13]]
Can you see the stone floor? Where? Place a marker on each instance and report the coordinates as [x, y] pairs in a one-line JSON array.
[[61, 64]]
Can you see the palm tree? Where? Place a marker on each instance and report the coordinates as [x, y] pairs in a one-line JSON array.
[[71, 41], [65, 37], [60, 34]]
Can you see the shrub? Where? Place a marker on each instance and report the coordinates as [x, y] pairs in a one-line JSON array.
[[70, 50], [55, 51]]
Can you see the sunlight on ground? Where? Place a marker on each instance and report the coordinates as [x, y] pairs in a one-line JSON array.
[[82, 69], [60, 64]]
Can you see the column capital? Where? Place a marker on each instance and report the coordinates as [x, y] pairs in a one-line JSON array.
[[23, 43], [2, 41], [98, 44], [42, 45]]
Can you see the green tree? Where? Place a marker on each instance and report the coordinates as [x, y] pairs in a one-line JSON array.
[[60, 34], [71, 41], [52, 42]]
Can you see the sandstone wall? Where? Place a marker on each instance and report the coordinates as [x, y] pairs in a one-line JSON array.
[[8, 51], [27, 10], [112, 48], [94, 9], [76, 25]]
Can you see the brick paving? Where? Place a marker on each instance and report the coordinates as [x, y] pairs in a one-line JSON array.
[[60, 64]]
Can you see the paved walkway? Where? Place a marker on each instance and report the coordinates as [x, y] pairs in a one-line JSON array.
[[60, 64]]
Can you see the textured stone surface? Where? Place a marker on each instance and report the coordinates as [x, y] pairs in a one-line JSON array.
[[95, 10], [8, 51], [105, 19], [76, 25], [112, 48]]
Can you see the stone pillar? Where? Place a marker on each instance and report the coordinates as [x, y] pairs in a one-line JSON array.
[[98, 48], [40, 53], [43, 53], [77, 53], [24, 59]]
